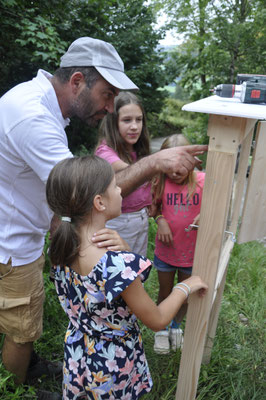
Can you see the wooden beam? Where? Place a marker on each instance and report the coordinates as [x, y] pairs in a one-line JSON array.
[[213, 320], [240, 180], [226, 133], [253, 224], [217, 298]]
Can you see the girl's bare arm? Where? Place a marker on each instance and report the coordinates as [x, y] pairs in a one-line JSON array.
[[153, 316]]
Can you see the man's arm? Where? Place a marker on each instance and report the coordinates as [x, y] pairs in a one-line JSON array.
[[179, 160]]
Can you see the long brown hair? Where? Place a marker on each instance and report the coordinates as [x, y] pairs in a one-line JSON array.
[[109, 131], [159, 180], [70, 190]]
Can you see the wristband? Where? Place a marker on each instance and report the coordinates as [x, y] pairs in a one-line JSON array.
[[158, 217], [181, 288], [184, 284]]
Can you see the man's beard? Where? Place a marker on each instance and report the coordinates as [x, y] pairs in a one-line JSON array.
[[91, 121], [84, 109]]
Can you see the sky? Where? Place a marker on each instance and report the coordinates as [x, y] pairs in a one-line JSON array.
[[170, 39]]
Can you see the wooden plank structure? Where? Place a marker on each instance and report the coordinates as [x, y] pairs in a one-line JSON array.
[[231, 131]]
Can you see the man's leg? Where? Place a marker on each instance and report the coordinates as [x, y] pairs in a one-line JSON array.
[[16, 358]]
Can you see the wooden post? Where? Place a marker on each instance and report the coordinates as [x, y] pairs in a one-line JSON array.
[[241, 178], [231, 123], [226, 133], [237, 193], [254, 212]]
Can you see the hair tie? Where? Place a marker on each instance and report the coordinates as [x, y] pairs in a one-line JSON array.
[[66, 219]]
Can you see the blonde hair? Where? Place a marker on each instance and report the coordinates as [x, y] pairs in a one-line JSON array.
[[158, 181]]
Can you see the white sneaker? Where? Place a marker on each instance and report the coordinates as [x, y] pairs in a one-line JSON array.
[[161, 342], [176, 338]]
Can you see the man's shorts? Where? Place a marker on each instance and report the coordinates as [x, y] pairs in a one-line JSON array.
[[164, 267], [21, 301]]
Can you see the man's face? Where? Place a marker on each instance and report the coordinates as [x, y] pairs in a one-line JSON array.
[[93, 104]]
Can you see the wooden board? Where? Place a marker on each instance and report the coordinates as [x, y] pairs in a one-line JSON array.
[[226, 106], [213, 217], [253, 225], [231, 124]]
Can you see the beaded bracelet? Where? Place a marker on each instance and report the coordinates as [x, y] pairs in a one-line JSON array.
[[158, 217], [181, 288]]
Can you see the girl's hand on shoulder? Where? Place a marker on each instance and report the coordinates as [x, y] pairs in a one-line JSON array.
[[110, 239], [196, 284], [164, 232]]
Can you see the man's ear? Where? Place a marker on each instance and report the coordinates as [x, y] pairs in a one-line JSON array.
[[77, 82], [98, 203]]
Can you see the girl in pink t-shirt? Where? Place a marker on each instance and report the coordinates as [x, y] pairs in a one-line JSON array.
[[124, 139], [176, 202]]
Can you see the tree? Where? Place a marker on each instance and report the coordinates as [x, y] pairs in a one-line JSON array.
[[239, 28], [221, 39], [35, 34]]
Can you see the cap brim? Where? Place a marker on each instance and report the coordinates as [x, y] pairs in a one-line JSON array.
[[117, 78]]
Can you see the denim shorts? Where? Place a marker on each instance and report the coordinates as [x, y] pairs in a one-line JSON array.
[[164, 267]]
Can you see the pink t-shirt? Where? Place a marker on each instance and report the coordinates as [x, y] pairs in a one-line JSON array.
[[180, 213], [138, 199]]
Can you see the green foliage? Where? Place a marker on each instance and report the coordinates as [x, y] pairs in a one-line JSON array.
[[38, 34], [221, 39], [173, 115], [173, 120], [35, 34]]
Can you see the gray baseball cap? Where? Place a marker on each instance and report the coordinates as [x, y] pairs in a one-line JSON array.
[[89, 52]]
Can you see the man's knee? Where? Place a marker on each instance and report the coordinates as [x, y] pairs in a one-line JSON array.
[[10, 344]]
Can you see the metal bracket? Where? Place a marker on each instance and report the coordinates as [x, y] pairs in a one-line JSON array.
[[189, 228], [233, 237]]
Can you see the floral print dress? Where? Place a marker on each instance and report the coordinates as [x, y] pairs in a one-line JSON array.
[[103, 351]]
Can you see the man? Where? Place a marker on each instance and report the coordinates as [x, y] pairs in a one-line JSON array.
[[33, 116]]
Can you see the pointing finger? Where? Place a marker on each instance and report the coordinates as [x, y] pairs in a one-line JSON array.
[[196, 149]]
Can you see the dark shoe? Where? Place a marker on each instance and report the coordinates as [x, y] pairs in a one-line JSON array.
[[44, 395], [41, 367]]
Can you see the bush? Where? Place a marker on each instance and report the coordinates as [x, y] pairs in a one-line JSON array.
[[173, 120]]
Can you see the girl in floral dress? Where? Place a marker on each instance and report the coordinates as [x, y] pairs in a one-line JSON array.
[[101, 290]]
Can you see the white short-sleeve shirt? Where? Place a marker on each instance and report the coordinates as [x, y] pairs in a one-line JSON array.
[[32, 141]]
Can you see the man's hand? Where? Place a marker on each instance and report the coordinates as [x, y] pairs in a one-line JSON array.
[[111, 239], [179, 160]]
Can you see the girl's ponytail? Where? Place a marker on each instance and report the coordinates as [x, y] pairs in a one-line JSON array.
[[65, 244], [70, 191]]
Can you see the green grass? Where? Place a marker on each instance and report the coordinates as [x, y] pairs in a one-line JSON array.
[[237, 367]]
